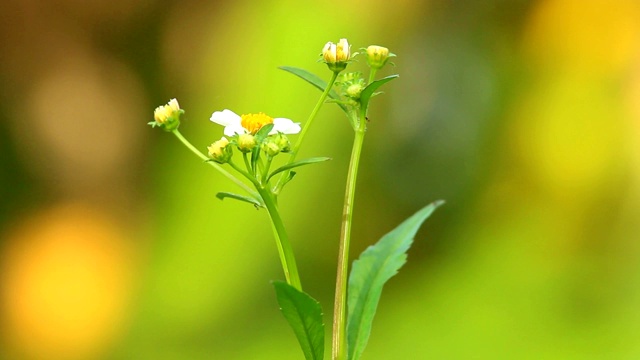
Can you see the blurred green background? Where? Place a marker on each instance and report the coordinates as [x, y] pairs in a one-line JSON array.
[[523, 115]]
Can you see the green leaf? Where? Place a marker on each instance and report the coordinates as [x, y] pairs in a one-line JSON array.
[[377, 264], [250, 200], [304, 314], [315, 81], [295, 164], [289, 176], [263, 132], [369, 91]]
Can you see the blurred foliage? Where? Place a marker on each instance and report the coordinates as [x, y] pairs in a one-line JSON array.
[[523, 115]]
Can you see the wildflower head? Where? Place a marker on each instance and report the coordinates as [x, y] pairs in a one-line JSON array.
[[336, 56], [220, 151], [254, 122], [167, 116], [377, 56], [251, 123]]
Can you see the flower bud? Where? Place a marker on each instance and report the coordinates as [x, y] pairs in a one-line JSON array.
[[283, 142], [377, 56], [353, 91], [270, 147], [167, 116], [246, 142], [337, 55], [220, 151]]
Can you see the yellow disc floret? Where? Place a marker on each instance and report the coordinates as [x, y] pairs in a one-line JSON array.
[[254, 122]]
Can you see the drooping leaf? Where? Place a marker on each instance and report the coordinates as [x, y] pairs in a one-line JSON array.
[[304, 315], [315, 81], [295, 164], [369, 91], [250, 200], [288, 177], [377, 264]]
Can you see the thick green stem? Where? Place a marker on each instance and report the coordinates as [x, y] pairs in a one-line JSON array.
[[305, 128], [282, 240], [339, 348], [216, 166]]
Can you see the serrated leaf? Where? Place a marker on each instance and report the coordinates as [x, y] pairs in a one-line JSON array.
[[304, 315], [369, 91], [314, 80], [250, 200], [376, 265], [295, 164]]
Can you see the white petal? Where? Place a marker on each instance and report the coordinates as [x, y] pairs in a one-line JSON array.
[[285, 126], [232, 129], [225, 117]]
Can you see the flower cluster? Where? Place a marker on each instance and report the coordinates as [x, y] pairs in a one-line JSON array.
[[247, 132]]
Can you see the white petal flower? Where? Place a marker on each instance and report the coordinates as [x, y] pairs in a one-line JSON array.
[[251, 123], [285, 126], [230, 120]]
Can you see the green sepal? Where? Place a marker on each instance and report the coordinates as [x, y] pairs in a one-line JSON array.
[[263, 132], [295, 164], [369, 91], [376, 265], [255, 202], [304, 315], [315, 81]]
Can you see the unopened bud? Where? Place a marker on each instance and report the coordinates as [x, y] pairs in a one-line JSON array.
[[246, 142], [167, 116], [337, 55], [219, 151], [377, 56]]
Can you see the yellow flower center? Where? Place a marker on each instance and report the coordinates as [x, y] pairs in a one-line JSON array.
[[255, 122]]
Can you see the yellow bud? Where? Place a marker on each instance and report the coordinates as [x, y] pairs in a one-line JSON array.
[[377, 56], [219, 151], [337, 55], [167, 116], [246, 142]]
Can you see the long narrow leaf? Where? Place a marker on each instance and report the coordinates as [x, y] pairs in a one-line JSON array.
[[313, 80], [368, 92], [377, 264], [304, 314], [295, 164], [250, 200]]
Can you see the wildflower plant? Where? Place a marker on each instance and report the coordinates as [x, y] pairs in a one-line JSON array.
[[245, 155]]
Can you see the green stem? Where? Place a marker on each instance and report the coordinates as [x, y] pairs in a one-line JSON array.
[[305, 128], [282, 240], [339, 348], [215, 165], [247, 164], [244, 173], [372, 75], [265, 173]]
